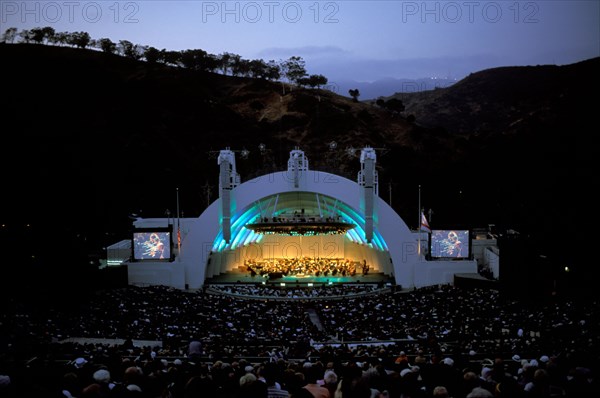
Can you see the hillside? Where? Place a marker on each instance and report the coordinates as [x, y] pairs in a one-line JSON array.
[[95, 137], [104, 136], [508, 98], [529, 129]]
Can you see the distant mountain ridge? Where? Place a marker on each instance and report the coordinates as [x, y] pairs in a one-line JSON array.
[[370, 91], [499, 99]]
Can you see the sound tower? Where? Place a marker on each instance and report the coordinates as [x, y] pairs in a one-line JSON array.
[[519, 274]]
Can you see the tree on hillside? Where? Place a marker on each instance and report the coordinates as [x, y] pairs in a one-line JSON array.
[[317, 81], [235, 61], [192, 59], [152, 55], [57, 38], [9, 35], [242, 68], [211, 63], [48, 33], [302, 82], [293, 69], [128, 49], [61, 38], [225, 60], [107, 45], [313, 81], [258, 69], [199, 60], [354, 93], [42, 35], [25, 36], [36, 35], [273, 71], [172, 58], [79, 39], [395, 105]]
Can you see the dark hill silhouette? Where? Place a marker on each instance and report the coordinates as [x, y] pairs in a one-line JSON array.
[[504, 99], [95, 137]]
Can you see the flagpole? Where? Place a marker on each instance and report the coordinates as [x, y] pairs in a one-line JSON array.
[[419, 247], [178, 240]]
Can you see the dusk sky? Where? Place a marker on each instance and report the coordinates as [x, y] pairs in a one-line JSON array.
[[358, 40]]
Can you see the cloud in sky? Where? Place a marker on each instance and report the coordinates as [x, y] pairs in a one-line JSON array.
[[304, 52]]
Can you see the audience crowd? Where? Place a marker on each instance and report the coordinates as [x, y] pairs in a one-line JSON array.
[[320, 292], [438, 341]]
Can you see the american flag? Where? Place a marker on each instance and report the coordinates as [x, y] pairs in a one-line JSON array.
[[424, 223]]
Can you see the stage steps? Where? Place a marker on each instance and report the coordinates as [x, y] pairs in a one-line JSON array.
[[314, 318]]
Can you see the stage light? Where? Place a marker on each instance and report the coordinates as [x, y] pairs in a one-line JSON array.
[[292, 227], [282, 284], [332, 145]]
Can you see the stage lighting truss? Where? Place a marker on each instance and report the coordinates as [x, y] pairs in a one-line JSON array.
[[300, 226]]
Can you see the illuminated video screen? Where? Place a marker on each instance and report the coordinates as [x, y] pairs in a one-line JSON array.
[[450, 243], [152, 245]]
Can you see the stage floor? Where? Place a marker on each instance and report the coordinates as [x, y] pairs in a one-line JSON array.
[[244, 277]]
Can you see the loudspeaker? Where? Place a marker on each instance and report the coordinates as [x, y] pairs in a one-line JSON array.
[[520, 272]]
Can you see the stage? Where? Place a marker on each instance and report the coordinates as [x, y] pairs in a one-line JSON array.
[[280, 222]]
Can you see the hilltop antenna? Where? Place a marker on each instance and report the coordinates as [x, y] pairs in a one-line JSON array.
[[207, 190]]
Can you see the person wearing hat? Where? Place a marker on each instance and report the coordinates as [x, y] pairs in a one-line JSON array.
[[543, 362], [411, 382], [101, 379], [195, 351], [487, 379], [102, 376], [80, 367], [405, 372], [513, 366]]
